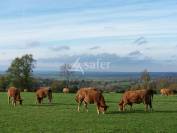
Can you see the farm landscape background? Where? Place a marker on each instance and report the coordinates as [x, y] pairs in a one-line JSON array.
[[107, 81]]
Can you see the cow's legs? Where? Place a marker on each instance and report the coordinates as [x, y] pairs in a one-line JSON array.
[[9, 100], [85, 105], [98, 111], [38, 100], [131, 109], [14, 102], [146, 107], [123, 106], [41, 100], [50, 99], [150, 105], [78, 107]]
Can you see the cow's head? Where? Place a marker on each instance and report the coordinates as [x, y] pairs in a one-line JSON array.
[[20, 101], [103, 108]]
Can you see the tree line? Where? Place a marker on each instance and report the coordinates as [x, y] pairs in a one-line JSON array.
[[20, 75]]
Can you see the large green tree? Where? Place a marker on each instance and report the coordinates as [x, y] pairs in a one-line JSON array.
[[20, 71]]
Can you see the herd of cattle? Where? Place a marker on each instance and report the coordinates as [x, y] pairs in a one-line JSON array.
[[92, 96]]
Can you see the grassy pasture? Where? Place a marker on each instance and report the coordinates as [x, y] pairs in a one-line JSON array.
[[61, 116]]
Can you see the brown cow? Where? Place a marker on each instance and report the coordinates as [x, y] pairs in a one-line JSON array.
[[137, 96], [43, 92], [166, 92], [91, 96], [14, 93]]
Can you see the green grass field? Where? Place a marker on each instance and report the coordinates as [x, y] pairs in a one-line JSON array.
[[62, 117]]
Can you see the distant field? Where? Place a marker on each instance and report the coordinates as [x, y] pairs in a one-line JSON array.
[[101, 75], [62, 117]]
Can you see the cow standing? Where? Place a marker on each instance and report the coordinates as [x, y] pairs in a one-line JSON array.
[[166, 92], [14, 96], [43, 92], [137, 96], [91, 96], [65, 90]]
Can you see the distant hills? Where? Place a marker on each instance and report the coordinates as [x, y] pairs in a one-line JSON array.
[[100, 75]]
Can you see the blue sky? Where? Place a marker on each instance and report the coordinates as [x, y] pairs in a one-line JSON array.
[[132, 35]]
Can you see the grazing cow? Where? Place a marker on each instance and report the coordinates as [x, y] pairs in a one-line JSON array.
[[14, 93], [166, 92], [65, 90], [137, 96], [43, 92], [91, 96]]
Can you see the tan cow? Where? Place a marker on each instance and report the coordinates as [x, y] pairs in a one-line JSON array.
[[14, 96], [166, 92], [65, 90], [137, 96], [91, 96], [43, 92]]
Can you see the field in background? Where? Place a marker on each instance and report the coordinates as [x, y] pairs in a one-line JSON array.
[[61, 116], [101, 75]]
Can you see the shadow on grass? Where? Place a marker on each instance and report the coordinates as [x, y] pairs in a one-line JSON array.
[[47, 104], [142, 111], [114, 112], [165, 111], [66, 104], [35, 105], [166, 101]]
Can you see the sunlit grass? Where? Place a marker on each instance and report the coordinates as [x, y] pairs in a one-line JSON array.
[[62, 116]]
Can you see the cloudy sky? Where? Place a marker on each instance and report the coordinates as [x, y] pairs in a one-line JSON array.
[[129, 34]]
